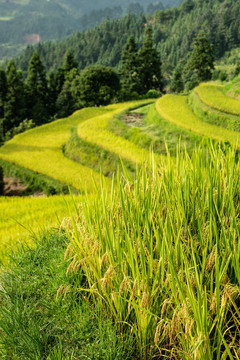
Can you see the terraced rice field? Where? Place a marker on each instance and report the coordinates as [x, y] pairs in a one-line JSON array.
[[160, 254], [213, 96], [105, 138], [40, 150], [177, 110], [210, 115]]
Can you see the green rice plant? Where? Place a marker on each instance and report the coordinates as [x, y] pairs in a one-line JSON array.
[[213, 96], [212, 116], [161, 254], [175, 109]]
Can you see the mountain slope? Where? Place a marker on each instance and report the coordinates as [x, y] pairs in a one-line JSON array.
[[30, 21]]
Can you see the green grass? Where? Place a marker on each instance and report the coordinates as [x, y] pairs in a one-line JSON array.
[[161, 255], [233, 88], [214, 97], [175, 109], [43, 315]]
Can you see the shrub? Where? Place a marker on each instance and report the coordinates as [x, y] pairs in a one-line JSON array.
[[152, 94], [223, 76]]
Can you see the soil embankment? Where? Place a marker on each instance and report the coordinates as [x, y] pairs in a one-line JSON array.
[[13, 187]]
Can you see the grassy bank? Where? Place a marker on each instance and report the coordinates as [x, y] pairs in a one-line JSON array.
[[214, 96], [43, 315], [154, 132], [212, 116], [96, 131], [94, 156], [175, 109]]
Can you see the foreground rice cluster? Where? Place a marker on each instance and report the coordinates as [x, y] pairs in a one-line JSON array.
[[162, 252]]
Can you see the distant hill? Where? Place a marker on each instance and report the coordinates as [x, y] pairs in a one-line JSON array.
[[30, 21], [173, 33]]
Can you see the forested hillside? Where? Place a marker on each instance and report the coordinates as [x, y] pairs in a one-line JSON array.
[[173, 33], [30, 21]]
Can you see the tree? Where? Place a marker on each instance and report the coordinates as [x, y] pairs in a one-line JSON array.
[[52, 92], [67, 101], [98, 85], [201, 58], [69, 63], [37, 90], [149, 70], [177, 85], [14, 105], [130, 66], [237, 69], [3, 92], [135, 8], [187, 6]]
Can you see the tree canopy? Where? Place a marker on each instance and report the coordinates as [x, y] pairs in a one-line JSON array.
[[201, 58], [98, 85]]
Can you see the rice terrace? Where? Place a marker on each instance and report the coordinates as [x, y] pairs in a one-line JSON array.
[[120, 180], [155, 246]]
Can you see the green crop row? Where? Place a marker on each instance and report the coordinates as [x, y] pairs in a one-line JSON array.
[[96, 131], [175, 109], [22, 217], [94, 156], [40, 150], [212, 116], [35, 182], [213, 96]]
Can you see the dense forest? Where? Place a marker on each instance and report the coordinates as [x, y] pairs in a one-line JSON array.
[[173, 33], [42, 97], [27, 22]]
